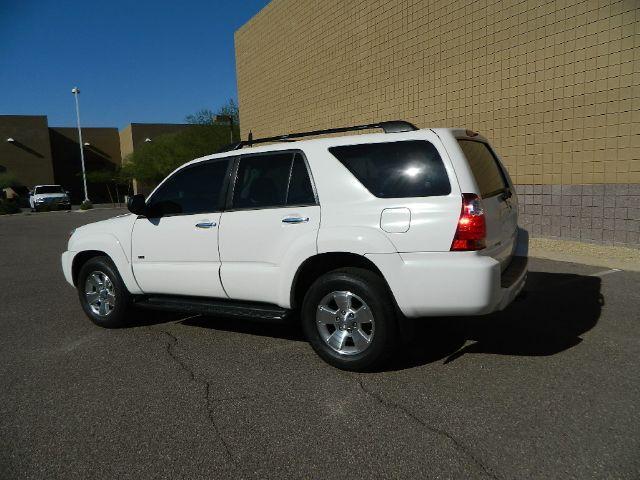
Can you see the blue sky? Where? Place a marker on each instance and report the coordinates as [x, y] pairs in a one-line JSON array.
[[134, 60]]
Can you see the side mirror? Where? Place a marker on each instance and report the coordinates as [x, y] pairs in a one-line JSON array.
[[137, 205], [31, 193]]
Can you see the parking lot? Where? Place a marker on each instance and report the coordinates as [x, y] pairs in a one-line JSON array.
[[549, 388]]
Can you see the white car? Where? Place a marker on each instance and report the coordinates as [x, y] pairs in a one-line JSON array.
[[51, 197], [353, 233]]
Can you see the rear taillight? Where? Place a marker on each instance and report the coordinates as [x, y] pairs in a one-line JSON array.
[[472, 229]]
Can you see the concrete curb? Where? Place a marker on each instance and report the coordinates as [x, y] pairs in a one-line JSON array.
[[622, 258]]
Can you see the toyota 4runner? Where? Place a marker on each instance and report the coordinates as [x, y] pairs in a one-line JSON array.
[[353, 233]]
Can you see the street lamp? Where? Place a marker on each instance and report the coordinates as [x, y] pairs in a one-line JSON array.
[[76, 92]]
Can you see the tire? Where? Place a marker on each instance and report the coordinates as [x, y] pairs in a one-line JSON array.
[[335, 319], [109, 301]]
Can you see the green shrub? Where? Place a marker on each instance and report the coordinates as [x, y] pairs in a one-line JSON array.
[[8, 206], [86, 205]]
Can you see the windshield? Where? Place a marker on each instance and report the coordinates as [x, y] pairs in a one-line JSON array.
[[49, 189]]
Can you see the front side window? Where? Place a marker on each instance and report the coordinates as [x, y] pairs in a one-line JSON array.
[[272, 180], [396, 169], [484, 165], [194, 189]]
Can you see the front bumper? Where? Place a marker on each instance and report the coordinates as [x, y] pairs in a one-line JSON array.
[[67, 262]]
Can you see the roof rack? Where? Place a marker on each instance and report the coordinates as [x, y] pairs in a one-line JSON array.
[[393, 126]]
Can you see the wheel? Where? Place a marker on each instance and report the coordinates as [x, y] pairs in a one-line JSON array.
[[348, 317], [103, 295]]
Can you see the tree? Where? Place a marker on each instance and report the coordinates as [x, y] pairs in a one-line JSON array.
[[8, 180], [207, 116], [108, 178], [153, 161]]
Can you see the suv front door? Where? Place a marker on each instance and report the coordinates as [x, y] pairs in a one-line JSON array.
[[175, 248], [270, 226]]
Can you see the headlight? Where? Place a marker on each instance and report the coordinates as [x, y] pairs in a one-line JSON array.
[[72, 232]]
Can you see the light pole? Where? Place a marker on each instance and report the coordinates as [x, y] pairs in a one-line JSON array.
[[229, 118], [76, 92]]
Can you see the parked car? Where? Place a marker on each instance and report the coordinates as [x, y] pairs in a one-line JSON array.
[[49, 197], [354, 233]]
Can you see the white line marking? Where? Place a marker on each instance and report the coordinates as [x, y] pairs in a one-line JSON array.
[[605, 272]]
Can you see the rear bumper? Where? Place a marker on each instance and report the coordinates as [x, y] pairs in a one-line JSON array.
[[512, 281], [450, 283]]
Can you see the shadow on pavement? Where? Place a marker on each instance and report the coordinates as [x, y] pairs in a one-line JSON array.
[[289, 330], [554, 311]]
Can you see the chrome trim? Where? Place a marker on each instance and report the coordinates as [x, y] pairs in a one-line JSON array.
[[205, 225], [295, 220]]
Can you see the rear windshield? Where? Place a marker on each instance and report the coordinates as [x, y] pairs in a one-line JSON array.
[[396, 169], [49, 189], [485, 167]]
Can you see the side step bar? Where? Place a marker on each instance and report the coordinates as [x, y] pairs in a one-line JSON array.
[[217, 307]]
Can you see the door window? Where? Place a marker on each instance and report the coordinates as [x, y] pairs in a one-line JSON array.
[[195, 189], [272, 180], [300, 189]]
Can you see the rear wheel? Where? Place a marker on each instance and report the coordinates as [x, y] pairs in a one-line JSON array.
[[349, 319], [103, 295]]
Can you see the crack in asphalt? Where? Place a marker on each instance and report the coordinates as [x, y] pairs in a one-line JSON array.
[[457, 444], [170, 345]]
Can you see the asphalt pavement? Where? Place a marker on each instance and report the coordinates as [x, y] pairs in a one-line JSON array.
[[549, 388]]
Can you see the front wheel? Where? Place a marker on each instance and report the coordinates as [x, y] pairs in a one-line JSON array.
[[103, 295], [348, 317]]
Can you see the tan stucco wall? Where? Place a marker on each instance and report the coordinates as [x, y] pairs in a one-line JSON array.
[[555, 85], [28, 158]]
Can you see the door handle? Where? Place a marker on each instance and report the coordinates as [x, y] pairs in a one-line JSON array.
[[295, 219], [205, 224]]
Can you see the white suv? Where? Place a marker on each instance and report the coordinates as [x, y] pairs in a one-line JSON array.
[[49, 197], [354, 233]]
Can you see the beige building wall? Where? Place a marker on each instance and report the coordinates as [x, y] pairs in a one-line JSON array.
[[555, 85], [27, 157]]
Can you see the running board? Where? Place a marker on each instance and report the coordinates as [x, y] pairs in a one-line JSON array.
[[217, 307]]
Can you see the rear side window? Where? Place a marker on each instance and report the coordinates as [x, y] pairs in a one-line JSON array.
[[272, 180], [396, 169], [194, 189], [485, 167]]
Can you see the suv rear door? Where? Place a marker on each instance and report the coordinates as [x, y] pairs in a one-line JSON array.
[[498, 198], [271, 222]]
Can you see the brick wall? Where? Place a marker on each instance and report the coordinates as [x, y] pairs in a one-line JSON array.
[[555, 85]]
